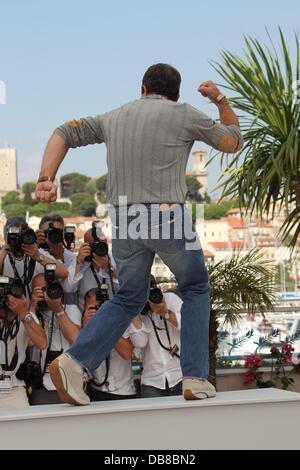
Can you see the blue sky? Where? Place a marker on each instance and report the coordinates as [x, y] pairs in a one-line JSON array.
[[65, 59]]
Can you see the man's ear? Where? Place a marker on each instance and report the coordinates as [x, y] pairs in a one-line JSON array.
[[144, 90]]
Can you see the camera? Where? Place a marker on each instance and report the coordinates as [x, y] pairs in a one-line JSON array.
[[155, 295], [30, 372], [69, 235], [10, 286], [17, 236], [98, 247], [53, 289], [54, 235], [102, 294]]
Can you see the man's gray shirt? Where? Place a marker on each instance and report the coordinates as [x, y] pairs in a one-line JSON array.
[[148, 144]]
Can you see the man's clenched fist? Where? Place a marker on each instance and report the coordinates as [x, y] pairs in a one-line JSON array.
[[46, 191]]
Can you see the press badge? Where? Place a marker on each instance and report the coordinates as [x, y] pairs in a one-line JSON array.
[[5, 384]]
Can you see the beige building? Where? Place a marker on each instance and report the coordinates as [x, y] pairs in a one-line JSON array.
[[199, 170], [8, 170]]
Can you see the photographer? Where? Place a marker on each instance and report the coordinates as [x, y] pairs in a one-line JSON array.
[[94, 265], [53, 237], [20, 258], [18, 327], [113, 379], [159, 341], [62, 324]]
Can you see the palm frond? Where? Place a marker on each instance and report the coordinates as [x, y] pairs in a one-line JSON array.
[[243, 281], [262, 174]]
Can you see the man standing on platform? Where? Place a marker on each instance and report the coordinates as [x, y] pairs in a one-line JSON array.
[[148, 144]]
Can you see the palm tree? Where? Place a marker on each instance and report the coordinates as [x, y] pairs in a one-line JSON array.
[[266, 173], [241, 282]]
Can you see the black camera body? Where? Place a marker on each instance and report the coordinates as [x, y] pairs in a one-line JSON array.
[[54, 235], [155, 295], [17, 236], [98, 247], [30, 372], [10, 286], [102, 294], [53, 289]]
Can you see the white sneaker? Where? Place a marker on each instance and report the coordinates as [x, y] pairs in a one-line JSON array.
[[197, 389], [69, 379]]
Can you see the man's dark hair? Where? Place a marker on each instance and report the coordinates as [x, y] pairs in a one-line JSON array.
[[51, 218], [163, 79]]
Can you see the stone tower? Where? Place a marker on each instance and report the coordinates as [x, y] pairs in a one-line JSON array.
[[199, 170]]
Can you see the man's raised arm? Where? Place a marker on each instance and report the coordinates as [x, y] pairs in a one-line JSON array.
[[72, 134], [224, 135]]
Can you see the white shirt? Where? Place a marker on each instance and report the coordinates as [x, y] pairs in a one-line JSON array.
[[19, 265], [68, 285], [21, 341], [158, 364], [86, 281], [120, 374], [58, 342]]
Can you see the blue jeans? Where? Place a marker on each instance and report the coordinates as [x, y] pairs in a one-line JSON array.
[[134, 258]]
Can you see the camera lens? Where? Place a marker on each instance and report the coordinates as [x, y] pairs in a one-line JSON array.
[[156, 295], [28, 237], [17, 290], [54, 290], [55, 235], [99, 248]]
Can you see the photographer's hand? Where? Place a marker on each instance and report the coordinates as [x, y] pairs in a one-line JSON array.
[[34, 330], [32, 251], [55, 305], [37, 296], [19, 306], [41, 238], [84, 251], [69, 329], [102, 262], [88, 314], [61, 271]]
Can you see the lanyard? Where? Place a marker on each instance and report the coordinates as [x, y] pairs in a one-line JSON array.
[[49, 341], [28, 271], [9, 331], [107, 364], [97, 278], [156, 328]]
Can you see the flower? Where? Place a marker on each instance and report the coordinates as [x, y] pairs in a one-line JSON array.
[[286, 351], [253, 361]]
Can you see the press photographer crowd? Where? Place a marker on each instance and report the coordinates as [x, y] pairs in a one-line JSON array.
[[49, 291]]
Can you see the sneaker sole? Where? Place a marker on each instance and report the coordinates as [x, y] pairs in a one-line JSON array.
[[189, 395], [54, 370]]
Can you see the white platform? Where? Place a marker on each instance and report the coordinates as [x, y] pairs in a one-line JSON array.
[[252, 419]]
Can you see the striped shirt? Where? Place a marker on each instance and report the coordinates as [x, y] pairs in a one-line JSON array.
[[148, 144]]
